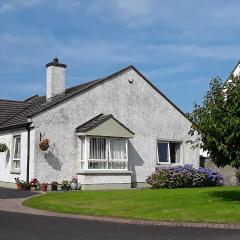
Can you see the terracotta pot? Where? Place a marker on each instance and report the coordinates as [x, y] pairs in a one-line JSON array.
[[19, 186], [43, 188], [33, 188]]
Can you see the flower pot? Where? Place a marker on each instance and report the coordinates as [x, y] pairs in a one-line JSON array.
[[44, 148], [43, 188], [74, 185], [33, 188], [65, 188], [27, 187], [44, 145], [19, 186], [54, 187]]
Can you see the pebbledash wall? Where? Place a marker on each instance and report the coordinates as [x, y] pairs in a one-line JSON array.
[[137, 105], [7, 174]]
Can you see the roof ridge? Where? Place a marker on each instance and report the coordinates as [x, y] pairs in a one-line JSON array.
[[71, 88], [31, 98], [10, 100]]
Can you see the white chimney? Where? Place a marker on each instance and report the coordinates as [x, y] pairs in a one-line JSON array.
[[55, 78]]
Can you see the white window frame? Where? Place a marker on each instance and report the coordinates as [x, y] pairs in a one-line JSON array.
[[106, 150], [109, 150], [108, 158], [13, 169], [169, 155]]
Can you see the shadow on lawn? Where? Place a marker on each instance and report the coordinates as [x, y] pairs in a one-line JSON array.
[[233, 195]]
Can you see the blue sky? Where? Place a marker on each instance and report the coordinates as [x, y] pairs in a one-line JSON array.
[[178, 45]]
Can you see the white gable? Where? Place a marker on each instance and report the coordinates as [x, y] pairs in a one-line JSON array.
[[110, 128]]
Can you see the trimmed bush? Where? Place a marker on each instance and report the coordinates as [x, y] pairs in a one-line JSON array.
[[184, 176]]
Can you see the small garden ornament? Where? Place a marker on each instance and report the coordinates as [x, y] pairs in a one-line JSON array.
[[74, 183]]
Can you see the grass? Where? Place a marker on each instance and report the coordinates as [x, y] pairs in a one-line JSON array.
[[213, 204]]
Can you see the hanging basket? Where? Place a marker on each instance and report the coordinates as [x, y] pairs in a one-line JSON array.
[[3, 147], [44, 145]]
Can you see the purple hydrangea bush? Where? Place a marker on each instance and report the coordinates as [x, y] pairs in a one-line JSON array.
[[184, 176]]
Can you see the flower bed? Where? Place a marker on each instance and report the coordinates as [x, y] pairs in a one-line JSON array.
[[184, 176]]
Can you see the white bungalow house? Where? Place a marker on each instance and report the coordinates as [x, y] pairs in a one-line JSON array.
[[111, 132]]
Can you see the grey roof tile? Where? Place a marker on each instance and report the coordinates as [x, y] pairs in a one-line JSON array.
[[9, 108]]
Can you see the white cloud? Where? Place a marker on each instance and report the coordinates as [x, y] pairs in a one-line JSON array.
[[220, 52], [170, 70], [24, 39], [9, 6], [133, 14], [186, 82]]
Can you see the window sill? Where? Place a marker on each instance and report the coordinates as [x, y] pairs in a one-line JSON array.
[[15, 171], [104, 171], [169, 164]]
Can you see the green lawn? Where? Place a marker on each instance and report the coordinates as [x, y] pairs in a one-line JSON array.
[[213, 204]]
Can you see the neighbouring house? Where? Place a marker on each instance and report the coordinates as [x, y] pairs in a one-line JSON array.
[[231, 175], [111, 132]]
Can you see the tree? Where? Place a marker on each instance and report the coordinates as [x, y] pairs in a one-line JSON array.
[[217, 122]]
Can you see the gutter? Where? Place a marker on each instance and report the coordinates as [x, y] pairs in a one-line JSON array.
[[13, 127]]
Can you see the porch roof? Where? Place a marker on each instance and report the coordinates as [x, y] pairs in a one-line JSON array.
[[104, 125]]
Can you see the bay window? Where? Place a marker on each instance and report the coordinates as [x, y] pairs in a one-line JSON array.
[[103, 153], [168, 152]]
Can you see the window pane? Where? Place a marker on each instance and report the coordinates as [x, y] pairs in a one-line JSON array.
[[163, 152], [17, 147], [97, 148], [97, 165], [118, 149], [82, 148], [17, 164], [175, 152]]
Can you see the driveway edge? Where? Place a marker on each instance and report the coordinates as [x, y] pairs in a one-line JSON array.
[[128, 221], [16, 206]]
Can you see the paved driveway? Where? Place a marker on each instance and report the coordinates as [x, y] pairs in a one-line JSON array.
[[16, 224], [31, 227], [6, 193]]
